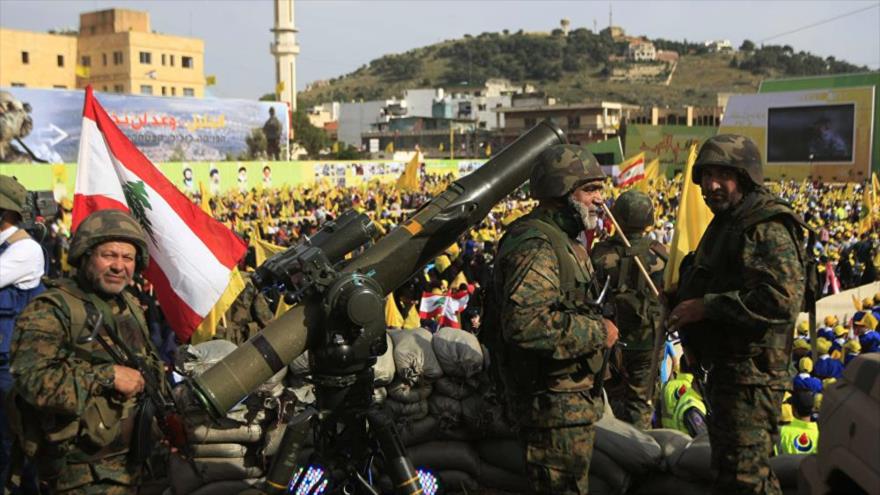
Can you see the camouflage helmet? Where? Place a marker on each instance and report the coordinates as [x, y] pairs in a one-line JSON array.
[[107, 226], [730, 150], [634, 211], [561, 169], [12, 194]]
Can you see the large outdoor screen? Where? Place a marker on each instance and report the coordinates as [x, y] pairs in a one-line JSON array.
[[822, 133]]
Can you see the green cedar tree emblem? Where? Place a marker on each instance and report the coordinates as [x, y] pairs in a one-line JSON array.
[[138, 202]]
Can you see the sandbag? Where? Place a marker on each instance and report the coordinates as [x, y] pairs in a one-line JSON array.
[[786, 468], [506, 454], [667, 483], [196, 359], [501, 479], [218, 450], [247, 415], [446, 410], [241, 434], [636, 452], [226, 487], [301, 389], [694, 462], [418, 431], [613, 474], [219, 469], [457, 433], [457, 482], [414, 357], [383, 370], [671, 443], [485, 419], [274, 434], [458, 352], [401, 410], [454, 388], [402, 391], [380, 394], [441, 455]]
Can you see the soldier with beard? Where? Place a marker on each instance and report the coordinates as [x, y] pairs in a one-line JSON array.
[[549, 340], [736, 307]]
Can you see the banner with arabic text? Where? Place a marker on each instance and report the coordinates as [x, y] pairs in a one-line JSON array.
[[165, 129], [669, 143]]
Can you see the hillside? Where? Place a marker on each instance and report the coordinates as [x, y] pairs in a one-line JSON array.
[[572, 68]]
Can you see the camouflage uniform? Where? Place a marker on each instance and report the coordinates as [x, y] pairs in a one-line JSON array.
[[551, 341], [246, 316], [637, 311], [749, 272], [70, 418]]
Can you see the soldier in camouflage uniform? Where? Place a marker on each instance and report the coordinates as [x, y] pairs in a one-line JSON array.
[[77, 407], [738, 298], [246, 316], [551, 340], [637, 311]]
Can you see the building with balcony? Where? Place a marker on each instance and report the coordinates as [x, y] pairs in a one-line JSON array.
[[582, 122]]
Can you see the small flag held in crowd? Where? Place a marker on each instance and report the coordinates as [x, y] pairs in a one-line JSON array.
[[193, 257], [631, 171], [409, 179]]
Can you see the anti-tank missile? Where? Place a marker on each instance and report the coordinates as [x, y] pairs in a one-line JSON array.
[[383, 267]]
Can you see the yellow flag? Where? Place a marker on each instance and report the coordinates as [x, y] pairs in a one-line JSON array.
[[690, 222], [389, 148], [82, 71], [208, 327], [458, 280], [393, 318], [279, 88], [488, 149], [409, 179], [264, 250], [413, 320], [652, 174], [869, 205], [336, 146], [206, 198], [210, 80]]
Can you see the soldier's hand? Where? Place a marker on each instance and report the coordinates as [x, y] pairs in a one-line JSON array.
[[689, 311], [611, 333], [127, 381]]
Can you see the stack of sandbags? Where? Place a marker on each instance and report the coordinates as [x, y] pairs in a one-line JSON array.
[[414, 358], [231, 448], [622, 453], [383, 371]]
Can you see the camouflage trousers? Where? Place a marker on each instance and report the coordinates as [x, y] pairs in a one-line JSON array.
[[630, 395], [742, 427], [558, 459]]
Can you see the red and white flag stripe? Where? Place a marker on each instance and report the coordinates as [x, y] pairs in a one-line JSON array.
[[431, 305], [632, 170], [191, 254]]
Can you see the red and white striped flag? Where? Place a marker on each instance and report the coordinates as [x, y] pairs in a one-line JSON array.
[[431, 305], [631, 170], [192, 256], [447, 306]]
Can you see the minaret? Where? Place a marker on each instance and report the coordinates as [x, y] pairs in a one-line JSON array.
[[285, 49]]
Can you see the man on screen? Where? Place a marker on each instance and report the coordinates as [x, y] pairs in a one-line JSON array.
[[826, 143]]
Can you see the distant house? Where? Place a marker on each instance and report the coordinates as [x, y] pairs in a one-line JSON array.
[[718, 46], [641, 51], [667, 56]]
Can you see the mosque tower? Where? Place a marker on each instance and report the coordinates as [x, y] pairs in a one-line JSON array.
[[285, 49]]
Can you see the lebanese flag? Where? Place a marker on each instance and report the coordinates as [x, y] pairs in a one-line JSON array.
[[455, 303], [832, 284], [431, 305], [632, 170], [192, 256]]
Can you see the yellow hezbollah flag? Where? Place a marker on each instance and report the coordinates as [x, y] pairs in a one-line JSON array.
[[264, 250], [393, 318], [690, 222], [389, 148], [869, 205], [210, 80], [82, 71], [409, 179], [208, 327], [652, 174], [206, 198]]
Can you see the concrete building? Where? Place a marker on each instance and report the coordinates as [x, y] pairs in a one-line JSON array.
[[285, 50], [420, 102], [686, 115], [641, 51], [356, 118], [582, 122], [114, 51], [432, 135], [37, 60], [321, 115]]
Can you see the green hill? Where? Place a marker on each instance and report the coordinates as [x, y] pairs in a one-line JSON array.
[[572, 68]]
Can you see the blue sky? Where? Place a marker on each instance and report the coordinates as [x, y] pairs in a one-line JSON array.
[[337, 37]]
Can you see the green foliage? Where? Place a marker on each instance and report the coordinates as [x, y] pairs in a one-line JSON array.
[[310, 137], [747, 46], [682, 47], [398, 67], [784, 59], [256, 144], [347, 153]]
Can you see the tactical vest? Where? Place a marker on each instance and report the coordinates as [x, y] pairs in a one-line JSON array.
[[637, 311], [715, 268], [799, 437], [12, 301], [106, 424], [523, 372]]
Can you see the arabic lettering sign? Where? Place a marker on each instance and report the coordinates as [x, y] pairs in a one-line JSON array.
[[163, 128], [669, 143]]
